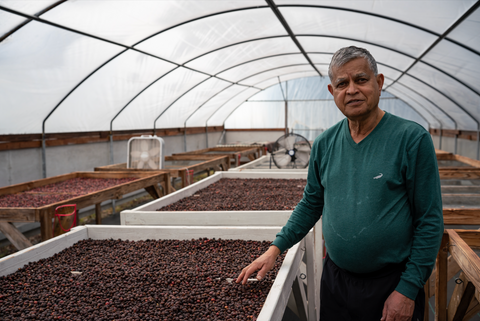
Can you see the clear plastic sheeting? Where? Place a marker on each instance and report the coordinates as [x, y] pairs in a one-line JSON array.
[[144, 110], [262, 76], [220, 115], [8, 22], [311, 108], [352, 25], [193, 61], [462, 119], [223, 59], [258, 115], [198, 37], [468, 32], [129, 73], [131, 21], [179, 111], [204, 112], [457, 61], [250, 68], [440, 17], [32, 85]]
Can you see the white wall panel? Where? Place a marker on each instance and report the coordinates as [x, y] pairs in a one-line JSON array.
[[221, 114], [262, 76], [258, 115]]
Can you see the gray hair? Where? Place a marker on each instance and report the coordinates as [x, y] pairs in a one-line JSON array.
[[346, 54]]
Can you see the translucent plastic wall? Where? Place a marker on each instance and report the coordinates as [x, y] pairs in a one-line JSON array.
[[69, 66], [310, 108]]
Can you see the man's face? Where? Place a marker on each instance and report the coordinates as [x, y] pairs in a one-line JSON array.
[[355, 89]]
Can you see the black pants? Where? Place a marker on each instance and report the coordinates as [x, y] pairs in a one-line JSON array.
[[346, 296]]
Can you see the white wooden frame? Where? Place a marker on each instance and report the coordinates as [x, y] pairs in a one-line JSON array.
[[147, 215], [253, 167], [276, 300]]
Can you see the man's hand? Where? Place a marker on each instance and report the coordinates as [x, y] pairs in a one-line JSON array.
[[264, 263], [397, 308]]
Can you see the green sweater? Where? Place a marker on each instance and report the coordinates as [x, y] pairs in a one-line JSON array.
[[380, 200]]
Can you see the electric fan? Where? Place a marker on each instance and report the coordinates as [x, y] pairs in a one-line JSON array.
[[145, 152], [291, 151]]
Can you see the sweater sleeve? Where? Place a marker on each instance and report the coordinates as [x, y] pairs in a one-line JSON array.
[[308, 210], [424, 193]]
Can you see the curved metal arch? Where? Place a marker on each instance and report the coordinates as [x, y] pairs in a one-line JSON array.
[[127, 47]]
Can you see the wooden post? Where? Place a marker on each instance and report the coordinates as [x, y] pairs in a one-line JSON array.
[[98, 213], [46, 223], [441, 281], [14, 236]]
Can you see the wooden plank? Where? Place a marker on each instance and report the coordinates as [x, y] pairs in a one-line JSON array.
[[205, 218], [462, 308], [12, 189], [274, 305], [466, 258], [98, 213], [471, 237], [14, 236], [452, 269], [254, 129], [459, 174], [467, 160], [441, 281], [46, 216], [448, 156], [17, 214], [154, 191], [461, 216], [473, 308]]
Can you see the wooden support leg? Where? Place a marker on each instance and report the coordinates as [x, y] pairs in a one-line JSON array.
[[14, 236], [426, 288], [155, 191], [46, 224], [98, 213], [462, 295], [300, 298], [441, 281]]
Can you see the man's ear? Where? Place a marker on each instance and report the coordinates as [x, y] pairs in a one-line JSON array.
[[380, 81], [330, 88]]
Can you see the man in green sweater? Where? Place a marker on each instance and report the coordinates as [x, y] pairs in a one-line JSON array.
[[374, 179]]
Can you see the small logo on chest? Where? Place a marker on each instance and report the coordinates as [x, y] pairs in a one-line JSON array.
[[378, 176]]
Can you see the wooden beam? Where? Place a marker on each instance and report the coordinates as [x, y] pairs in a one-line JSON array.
[[466, 258], [14, 236], [467, 160], [254, 129], [461, 216], [452, 269], [441, 281]]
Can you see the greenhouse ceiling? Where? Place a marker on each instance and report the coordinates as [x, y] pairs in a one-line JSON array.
[[83, 65]]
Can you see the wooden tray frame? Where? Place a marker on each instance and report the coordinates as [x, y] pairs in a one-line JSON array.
[[288, 278], [235, 153], [43, 214]]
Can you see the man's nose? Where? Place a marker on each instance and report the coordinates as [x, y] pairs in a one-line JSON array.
[[352, 88]]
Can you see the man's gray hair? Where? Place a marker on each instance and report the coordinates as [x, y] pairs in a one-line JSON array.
[[346, 54]]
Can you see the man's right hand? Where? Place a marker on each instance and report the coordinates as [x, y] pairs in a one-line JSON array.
[[264, 263]]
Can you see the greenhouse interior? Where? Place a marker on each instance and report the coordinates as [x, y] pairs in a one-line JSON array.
[[150, 150]]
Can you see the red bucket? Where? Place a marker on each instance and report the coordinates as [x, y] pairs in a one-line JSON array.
[[65, 218]]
